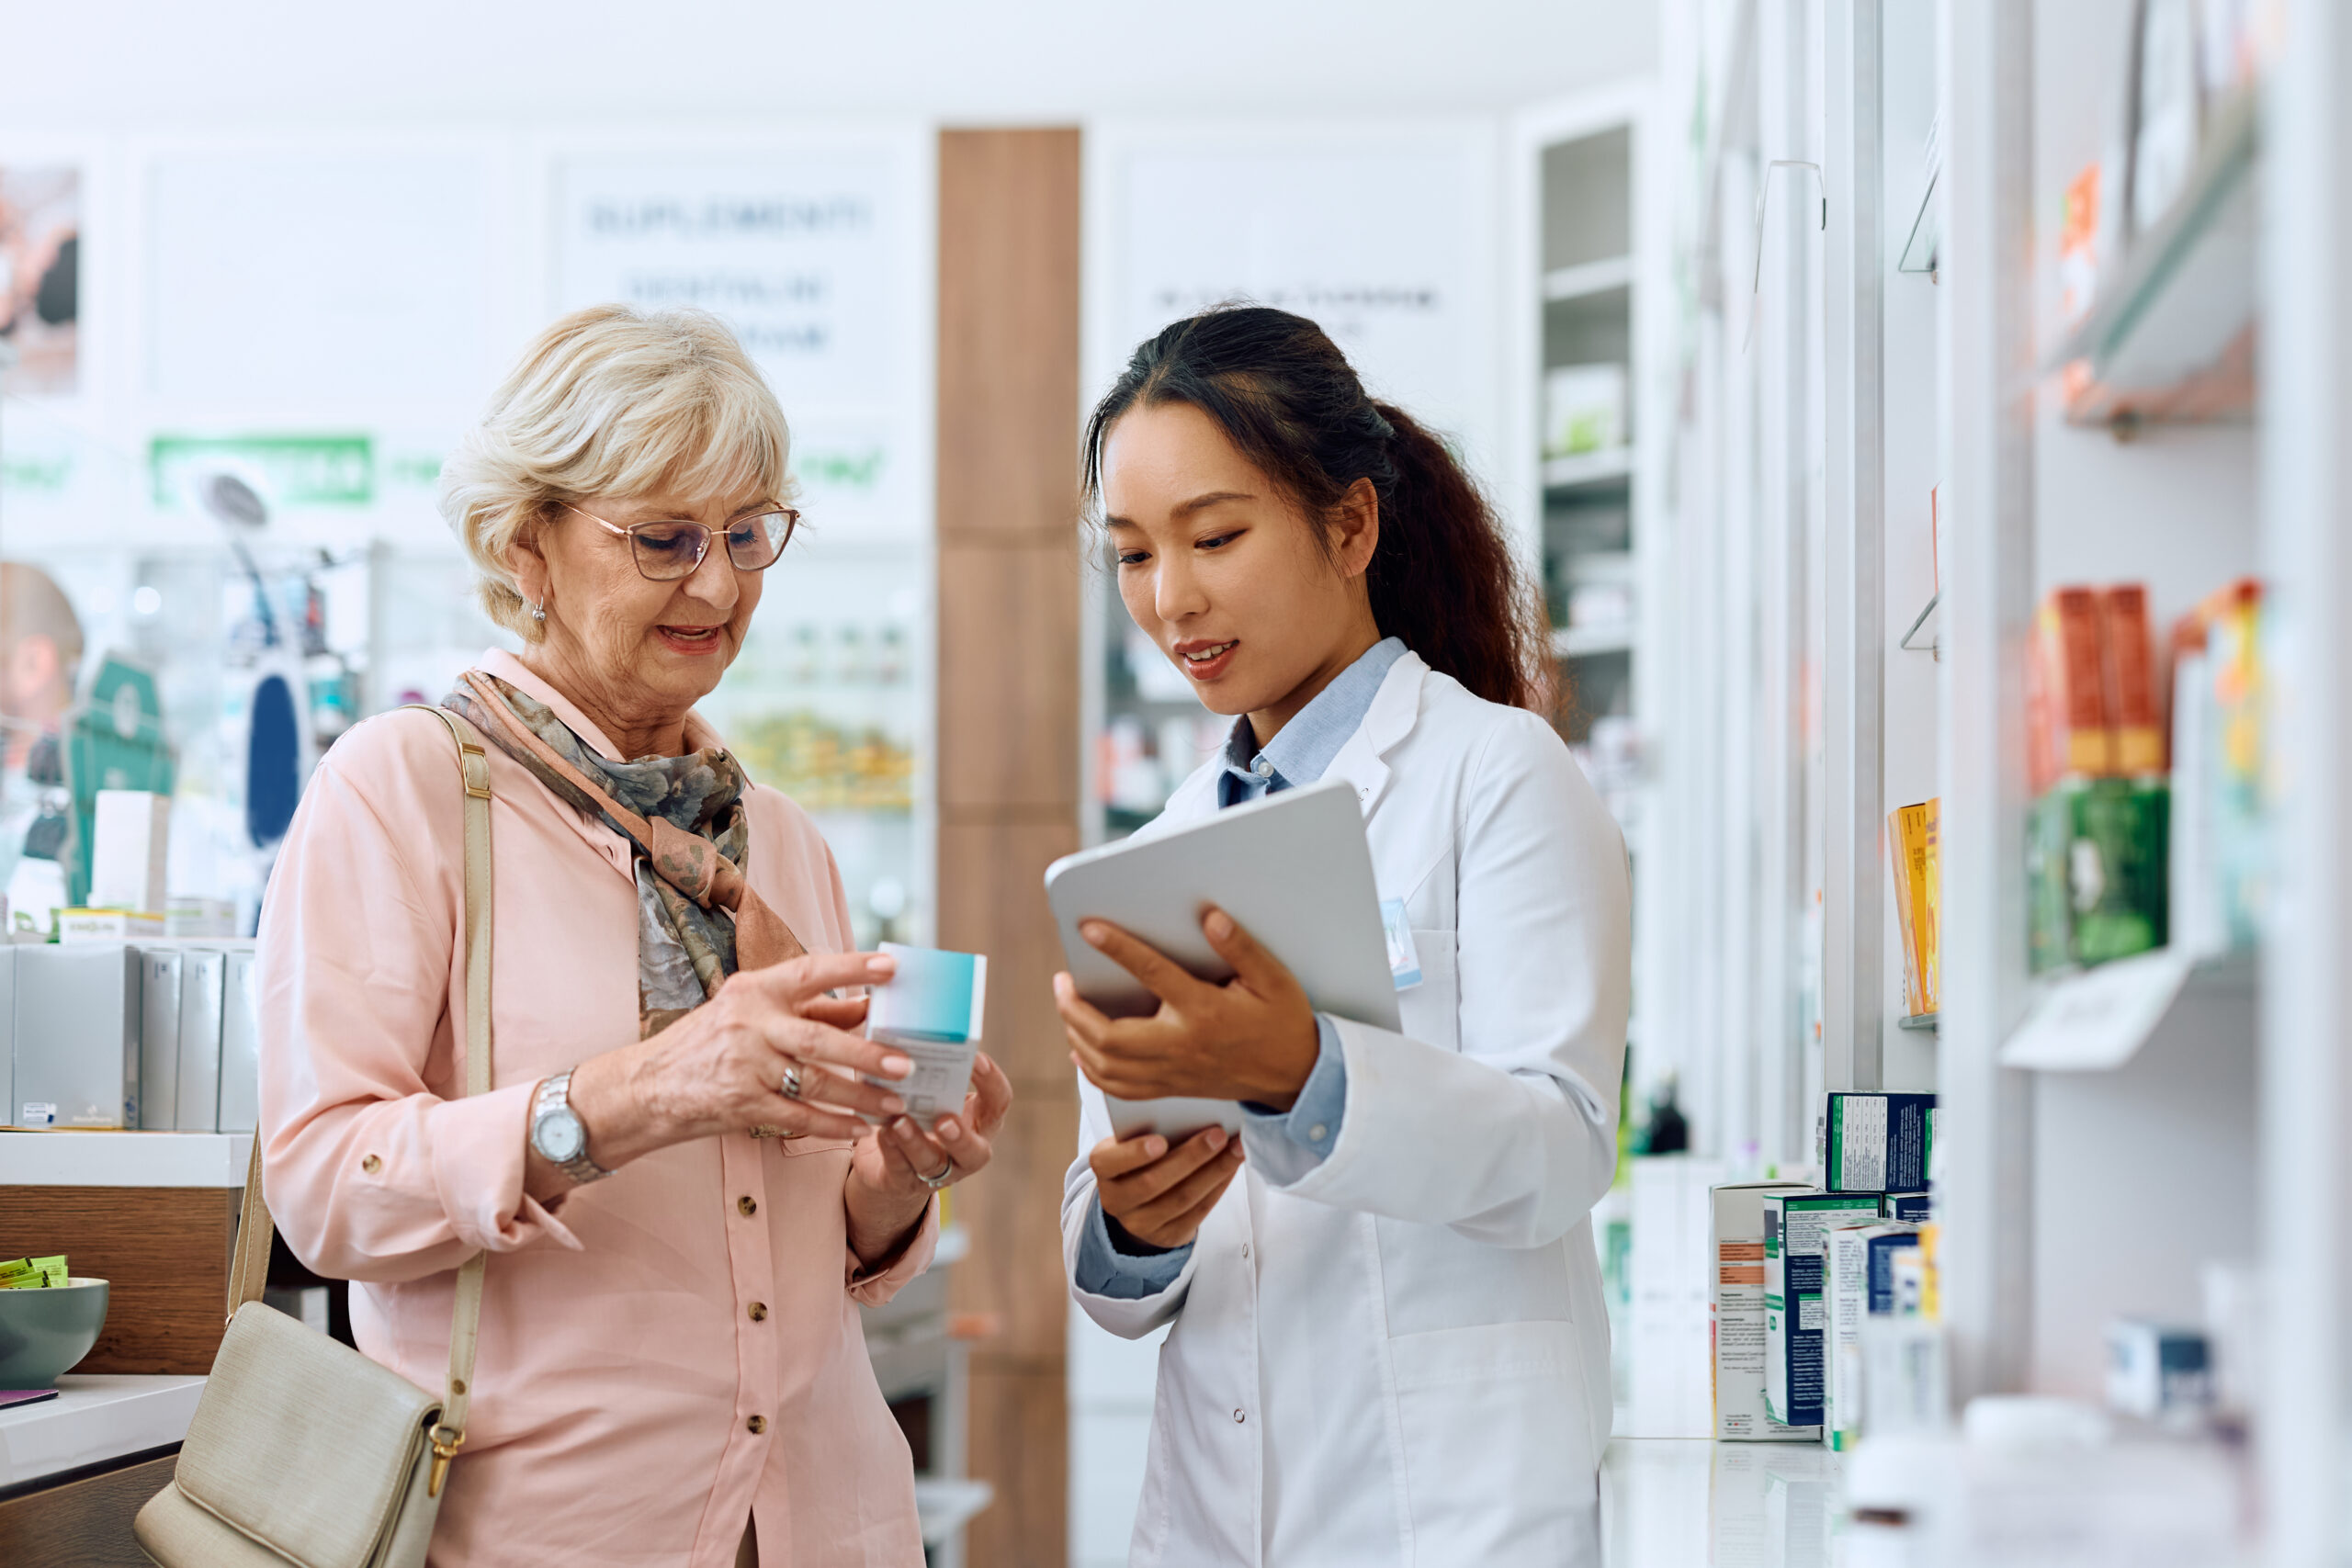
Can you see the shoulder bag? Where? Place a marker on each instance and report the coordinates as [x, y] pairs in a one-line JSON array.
[[303, 1451]]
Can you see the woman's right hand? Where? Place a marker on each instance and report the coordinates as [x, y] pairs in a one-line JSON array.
[[1160, 1195], [720, 1068]]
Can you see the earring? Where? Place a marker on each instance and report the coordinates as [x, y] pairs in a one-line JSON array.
[[540, 611]]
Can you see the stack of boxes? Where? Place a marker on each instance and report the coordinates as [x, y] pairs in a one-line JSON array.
[[157, 1035], [1800, 1273]]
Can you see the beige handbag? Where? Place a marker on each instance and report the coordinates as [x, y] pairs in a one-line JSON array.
[[303, 1451]]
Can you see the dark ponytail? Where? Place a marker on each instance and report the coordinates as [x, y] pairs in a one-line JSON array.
[[1444, 577]]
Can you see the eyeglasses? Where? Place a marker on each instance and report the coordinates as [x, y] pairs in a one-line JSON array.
[[670, 549]]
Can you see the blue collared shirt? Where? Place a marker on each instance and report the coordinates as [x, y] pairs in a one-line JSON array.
[[1300, 753]]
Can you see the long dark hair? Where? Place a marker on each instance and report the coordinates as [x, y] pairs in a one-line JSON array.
[[1443, 578]]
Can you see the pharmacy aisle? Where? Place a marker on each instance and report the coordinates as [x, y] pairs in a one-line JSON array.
[[2009, 720]]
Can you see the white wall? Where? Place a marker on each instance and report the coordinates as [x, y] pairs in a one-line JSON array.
[[239, 60]]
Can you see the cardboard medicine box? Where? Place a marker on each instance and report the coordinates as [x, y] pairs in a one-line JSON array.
[[1796, 1308], [1861, 1276], [1879, 1143], [1736, 1313]]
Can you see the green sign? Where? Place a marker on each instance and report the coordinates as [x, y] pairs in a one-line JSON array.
[[297, 470], [840, 469]]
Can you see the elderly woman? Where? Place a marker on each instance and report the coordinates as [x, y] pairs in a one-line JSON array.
[[673, 1175]]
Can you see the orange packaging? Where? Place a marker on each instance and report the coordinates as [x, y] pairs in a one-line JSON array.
[[2066, 691], [2133, 702]]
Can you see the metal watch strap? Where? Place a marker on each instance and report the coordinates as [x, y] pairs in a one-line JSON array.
[[553, 1092]]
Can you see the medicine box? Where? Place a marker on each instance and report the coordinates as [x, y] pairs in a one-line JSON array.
[[76, 1035], [1736, 1313], [240, 1098], [1860, 1282], [159, 1037], [1796, 1312], [203, 973], [1907, 1208], [2157, 1371], [131, 835], [932, 1009], [1879, 1143]]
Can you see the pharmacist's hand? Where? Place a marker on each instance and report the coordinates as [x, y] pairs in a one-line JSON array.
[[893, 1171], [1252, 1038], [1159, 1195], [721, 1068]]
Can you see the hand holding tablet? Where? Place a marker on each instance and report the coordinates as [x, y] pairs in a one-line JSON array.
[[1175, 1016]]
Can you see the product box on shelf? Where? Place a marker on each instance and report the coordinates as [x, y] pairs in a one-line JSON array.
[[1907, 1208], [2096, 872], [203, 973], [2157, 1371], [1860, 1281], [160, 971], [76, 1035], [1879, 1143], [1736, 1313], [1796, 1315]]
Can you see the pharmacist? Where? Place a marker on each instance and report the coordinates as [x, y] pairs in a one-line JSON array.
[[1387, 1341]]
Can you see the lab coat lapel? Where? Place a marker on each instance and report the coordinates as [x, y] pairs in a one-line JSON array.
[[1395, 708]]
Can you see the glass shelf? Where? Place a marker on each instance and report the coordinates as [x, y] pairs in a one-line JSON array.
[[2170, 335], [1611, 465], [1588, 277], [1580, 642], [1922, 1023]]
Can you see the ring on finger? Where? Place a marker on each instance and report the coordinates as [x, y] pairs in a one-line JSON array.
[[940, 1177], [790, 1087]]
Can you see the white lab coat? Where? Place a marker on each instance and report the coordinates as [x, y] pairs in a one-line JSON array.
[[1401, 1355]]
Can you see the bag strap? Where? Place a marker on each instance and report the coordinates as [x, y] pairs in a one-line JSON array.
[[249, 1270]]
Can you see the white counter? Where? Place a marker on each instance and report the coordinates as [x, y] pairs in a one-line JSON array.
[[124, 1159], [1680, 1503], [94, 1417]]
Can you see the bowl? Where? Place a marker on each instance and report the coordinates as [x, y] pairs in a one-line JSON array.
[[44, 1333]]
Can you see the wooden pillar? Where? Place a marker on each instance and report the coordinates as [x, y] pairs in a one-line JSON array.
[[1008, 770]]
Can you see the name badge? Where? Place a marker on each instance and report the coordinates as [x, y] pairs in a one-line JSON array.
[[1404, 963]]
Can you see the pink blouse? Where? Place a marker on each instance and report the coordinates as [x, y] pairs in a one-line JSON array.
[[665, 1353]]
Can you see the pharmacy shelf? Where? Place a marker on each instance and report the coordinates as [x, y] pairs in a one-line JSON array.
[[1922, 1023], [96, 1418], [1581, 642], [66, 1158], [2096, 1020], [2169, 337], [946, 1504], [1588, 278], [1611, 465]]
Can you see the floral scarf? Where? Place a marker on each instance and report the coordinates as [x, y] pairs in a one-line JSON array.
[[699, 921]]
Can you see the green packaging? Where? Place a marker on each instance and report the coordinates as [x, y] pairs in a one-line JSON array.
[[2095, 884]]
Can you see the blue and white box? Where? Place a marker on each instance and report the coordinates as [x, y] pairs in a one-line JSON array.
[[1908, 1208], [932, 1009], [1796, 1307], [1879, 1143]]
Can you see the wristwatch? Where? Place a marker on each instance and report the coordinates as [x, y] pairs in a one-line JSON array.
[[557, 1132]]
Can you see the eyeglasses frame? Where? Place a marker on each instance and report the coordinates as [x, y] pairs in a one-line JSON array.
[[765, 509]]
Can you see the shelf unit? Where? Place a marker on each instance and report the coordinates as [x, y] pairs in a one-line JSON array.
[[2143, 1078], [1588, 284]]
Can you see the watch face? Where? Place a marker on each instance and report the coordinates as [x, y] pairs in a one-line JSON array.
[[559, 1136]]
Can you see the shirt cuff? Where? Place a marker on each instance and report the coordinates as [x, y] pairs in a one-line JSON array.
[[1105, 1270], [1311, 1123], [477, 1155]]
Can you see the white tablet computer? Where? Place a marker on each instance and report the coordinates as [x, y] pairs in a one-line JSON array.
[[1294, 869]]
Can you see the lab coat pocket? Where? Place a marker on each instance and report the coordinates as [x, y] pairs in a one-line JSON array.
[[1499, 1460]]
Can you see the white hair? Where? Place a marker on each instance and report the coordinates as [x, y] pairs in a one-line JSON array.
[[611, 401]]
